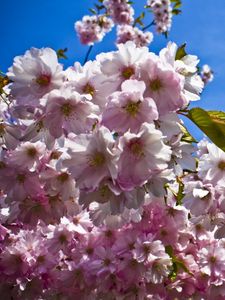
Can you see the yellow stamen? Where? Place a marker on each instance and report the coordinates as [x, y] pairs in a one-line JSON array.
[[67, 109], [97, 160], [155, 85], [88, 89], [132, 108], [43, 80], [127, 72]]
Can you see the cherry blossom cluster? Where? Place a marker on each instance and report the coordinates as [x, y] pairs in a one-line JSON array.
[[101, 196], [93, 28], [117, 12], [129, 33], [207, 74], [120, 11], [162, 11]]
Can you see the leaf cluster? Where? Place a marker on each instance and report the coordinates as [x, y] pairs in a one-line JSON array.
[[212, 123], [176, 7], [177, 264]]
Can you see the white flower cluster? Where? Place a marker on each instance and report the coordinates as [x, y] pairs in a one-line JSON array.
[[120, 11], [207, 74], [162, 11], [101, 196], [93, 28], [129, 33]]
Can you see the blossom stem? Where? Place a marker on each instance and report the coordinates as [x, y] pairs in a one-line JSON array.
[[183, 114], [148, 26], [88, 53]]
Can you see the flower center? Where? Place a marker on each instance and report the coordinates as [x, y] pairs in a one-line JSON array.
[[133, 263], [67, 109], [76, 220], [31, 152], [155, 85], [2, 165], [136, 148], [63, 177], [62, 238], [199, 227], [21, 178], [146, 249], [128, 72], [43, 80], [104, 191], [89, 251], [221, 165], [41, 259], [212, 259], [89, 89], [106, 262], [55, 154], [97, 160], [4, 80], [2, 129], [132, 108]]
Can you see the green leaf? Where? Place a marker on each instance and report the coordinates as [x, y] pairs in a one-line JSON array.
[[176, 267], [187, 137], [178, 5], [142, 15], [212, 123], [4, 80], [166, 33], [176, 2], [61, 53], [181, 52], [180, 194], [99, 7], [181, 265], [177, 264], [173, 273], [138, 21], [176, 11], [169, 250], [93, 11], [217, 115]]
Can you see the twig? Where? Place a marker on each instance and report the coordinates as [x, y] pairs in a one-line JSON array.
[[88, 53], [149, 25]]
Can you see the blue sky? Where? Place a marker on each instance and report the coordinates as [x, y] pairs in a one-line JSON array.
[[26, 24]]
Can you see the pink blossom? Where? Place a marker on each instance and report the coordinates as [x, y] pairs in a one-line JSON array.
[[207, 74], [123, 64], [90, 82], [92, 28], [212, 262], [35, 74], [212, 165], [27, 155], [129, 33], [92, 158], [163, 85], [187, 68], [67, 111], [59, 184], [162, 11], [142, 155], [120, 11], [128, 109]]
